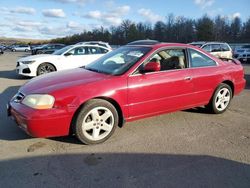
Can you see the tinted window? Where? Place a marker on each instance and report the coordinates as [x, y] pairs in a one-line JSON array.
[[79, 51], [103, 50], [225, 47], [95, 50], [207, 48], [246, 46], [216, 48], [198, 59], [58, 46]]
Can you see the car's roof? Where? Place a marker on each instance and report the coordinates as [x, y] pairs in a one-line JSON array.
[[215, 43], [162, 44], [91, 45], [207, 42]]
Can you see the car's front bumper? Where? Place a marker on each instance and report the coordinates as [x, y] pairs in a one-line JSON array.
[[25, 69], [40, 123]]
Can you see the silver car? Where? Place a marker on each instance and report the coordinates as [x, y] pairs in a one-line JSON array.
[[21, 48], [243, 53]]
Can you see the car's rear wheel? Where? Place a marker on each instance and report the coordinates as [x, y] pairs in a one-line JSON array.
[[45, 68], [96, 121], [221, 99]]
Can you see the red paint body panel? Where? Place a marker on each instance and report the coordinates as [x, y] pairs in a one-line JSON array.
[[156, 92], [42, 123], [138, 96]]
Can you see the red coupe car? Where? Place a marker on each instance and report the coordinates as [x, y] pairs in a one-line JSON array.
[[135, 81]]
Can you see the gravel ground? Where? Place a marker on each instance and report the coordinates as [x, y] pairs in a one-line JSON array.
[[183, 149]]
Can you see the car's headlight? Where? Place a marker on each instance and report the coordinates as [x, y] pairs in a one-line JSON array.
[[39, 101], [27, 62]]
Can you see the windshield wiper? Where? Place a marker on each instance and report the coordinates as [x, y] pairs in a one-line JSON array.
[[91, 69], [95, 70]]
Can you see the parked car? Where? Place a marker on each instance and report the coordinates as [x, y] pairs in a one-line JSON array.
[[2, 48], [46, 49], [218, 49], [243, 53], [9, 47], [21, 48], [99, 43], [66, 58], [129, 83]]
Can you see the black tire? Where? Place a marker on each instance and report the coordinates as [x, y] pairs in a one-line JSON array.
[[215, 109], [45, 68], [87, 136], [39, 52]]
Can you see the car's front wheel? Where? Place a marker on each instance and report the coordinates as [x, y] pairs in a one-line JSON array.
[[221, 99], [96, 121], [45, 68]]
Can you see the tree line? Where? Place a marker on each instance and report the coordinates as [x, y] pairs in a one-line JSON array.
[[173, 29]]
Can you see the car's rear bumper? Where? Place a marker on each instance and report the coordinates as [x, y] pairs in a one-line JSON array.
[[239, 86], [40, 123]]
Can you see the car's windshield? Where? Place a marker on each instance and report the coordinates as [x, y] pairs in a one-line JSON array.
[[61, 51], [118, 61]]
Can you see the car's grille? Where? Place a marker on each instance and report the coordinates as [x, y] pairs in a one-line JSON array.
[[18, 97], [26, 71]]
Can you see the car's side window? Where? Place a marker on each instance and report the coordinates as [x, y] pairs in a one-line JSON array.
[[207, 48], [103, 50], [198, 59], [216, 48], [95, 50], [169, 59], [225, 47], [79, 51]]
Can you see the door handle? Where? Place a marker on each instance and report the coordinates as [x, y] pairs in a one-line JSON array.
[[188, 78]]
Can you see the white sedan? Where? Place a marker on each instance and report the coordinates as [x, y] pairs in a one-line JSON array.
[[66, 58]]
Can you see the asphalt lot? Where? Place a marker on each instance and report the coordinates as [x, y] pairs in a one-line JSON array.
[[183, 149]]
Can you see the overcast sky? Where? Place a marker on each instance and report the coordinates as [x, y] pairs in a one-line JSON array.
[[42, 19]]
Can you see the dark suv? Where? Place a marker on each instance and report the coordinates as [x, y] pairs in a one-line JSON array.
[[46, 49]]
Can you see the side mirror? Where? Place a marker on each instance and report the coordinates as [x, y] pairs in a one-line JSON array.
[[152, 67], [68, 54]]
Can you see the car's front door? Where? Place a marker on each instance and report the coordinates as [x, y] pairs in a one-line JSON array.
[[166, 90]]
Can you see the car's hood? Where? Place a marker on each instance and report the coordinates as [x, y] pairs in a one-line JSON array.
[[59, 80], [37, 57]]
